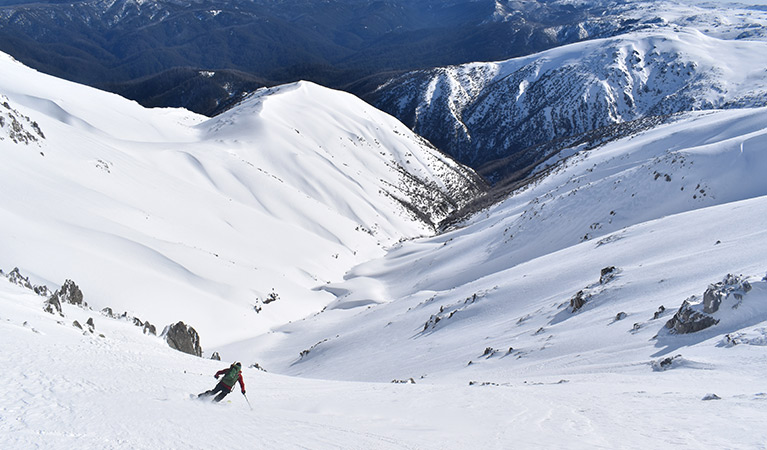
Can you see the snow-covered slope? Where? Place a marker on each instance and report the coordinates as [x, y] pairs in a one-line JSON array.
[[553, 319], [671, 211], [174, 217], [680, 59], [486, 320], [119, 389]]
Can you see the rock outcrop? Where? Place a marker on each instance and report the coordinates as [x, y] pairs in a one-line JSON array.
[[70, 293], [698, 314], [183, 338]]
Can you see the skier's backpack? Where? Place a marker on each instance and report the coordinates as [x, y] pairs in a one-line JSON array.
[[232, 375]]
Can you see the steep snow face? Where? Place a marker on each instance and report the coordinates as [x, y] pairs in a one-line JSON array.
[[481, 112], [175, 217], [540, 278]]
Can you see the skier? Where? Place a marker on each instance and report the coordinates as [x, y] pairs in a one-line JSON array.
[[231, 375]]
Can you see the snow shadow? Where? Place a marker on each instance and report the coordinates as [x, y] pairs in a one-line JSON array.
[[669, 343]]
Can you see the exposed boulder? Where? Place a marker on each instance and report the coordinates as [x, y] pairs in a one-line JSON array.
[[53, 306], [735, 285], [146, 327], [149, 329], [272, 297], [607, 274], [689, 318], [578, 301], [215, 356], [695, 314], [583, 296], [183, 338], [70, 293]]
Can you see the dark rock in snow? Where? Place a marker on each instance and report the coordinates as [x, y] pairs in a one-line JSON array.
[[578, 301], [215, 356], [620, 316], [711, 397], [715, 293], [272, 297], [53, 306], [607, 274], [76, 324], [689, 320], [695, 315], [183, 338], [15, 277], [149, 329], [667, 363], [70, 293], [91, 325]]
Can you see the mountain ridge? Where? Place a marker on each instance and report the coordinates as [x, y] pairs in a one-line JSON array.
[[158, 52], [163, 205], [485, 112]]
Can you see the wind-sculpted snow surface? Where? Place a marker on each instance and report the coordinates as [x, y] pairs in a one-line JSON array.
[[173, 216], [481, 112]]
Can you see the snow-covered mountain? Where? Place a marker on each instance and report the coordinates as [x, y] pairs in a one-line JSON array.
[[616, 299], [172, 216], [671, 210], [203, 54], [680, 59], [541, 322]]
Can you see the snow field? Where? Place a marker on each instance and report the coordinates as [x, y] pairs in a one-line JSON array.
[[127, 390]]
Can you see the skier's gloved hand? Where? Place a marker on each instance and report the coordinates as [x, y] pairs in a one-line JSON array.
[[215, 376], [243, 392]]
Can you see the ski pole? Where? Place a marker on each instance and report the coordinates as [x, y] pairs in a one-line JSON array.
[[246, 399]]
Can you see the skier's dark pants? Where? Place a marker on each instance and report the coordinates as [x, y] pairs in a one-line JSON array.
[[220, 388]]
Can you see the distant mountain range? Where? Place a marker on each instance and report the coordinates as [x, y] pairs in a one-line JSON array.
[[203, 54], [504, 118], [612, 68]]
